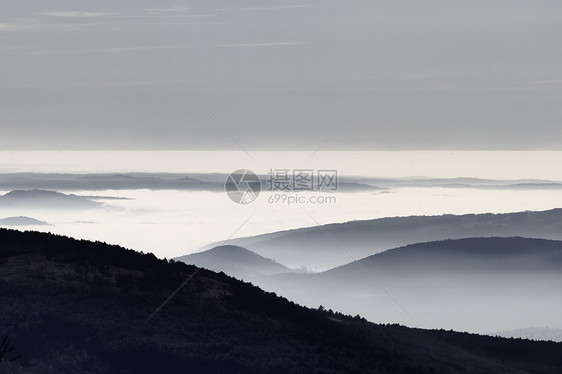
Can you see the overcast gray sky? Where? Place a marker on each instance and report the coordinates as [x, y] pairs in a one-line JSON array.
[[281, 74]]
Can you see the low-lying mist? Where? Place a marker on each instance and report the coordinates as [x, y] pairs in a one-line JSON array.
[[171, 223]]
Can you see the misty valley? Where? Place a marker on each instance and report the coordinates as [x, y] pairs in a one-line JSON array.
[[280, 187], [497, 274]]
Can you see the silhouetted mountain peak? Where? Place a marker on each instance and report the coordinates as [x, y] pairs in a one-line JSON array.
[[233, 250], [46, 199], [22, 221], [236, 261]]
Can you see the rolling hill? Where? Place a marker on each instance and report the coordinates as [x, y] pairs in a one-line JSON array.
[[85, 307], [235, 261], [40, 199], [21, 221], [116, 181], [124, 181], [473, 284], [328, 246]]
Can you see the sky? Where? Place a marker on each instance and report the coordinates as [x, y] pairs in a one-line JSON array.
[[281, 75]]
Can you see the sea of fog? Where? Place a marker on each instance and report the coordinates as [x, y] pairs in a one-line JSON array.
[[171, 223]]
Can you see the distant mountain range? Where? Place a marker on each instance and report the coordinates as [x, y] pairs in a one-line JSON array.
[[327, 246], [130, 181], [463, 182], [235, 261], [93, 182], [21, 221], [474, 284], [72, 306], [464, 255], [40, 199], [215, 182]]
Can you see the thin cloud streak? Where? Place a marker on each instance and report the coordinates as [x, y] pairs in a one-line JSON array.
[[171, 9], [76, 14], [281, 7], [149, 48], [109, 50], [271, 44], [35, 25]]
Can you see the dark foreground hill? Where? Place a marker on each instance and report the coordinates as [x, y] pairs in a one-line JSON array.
[[71, 306]]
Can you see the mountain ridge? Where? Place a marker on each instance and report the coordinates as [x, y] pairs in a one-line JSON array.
[[44, 199], [79, 306], [236, 261], [470, 284], [320, 246], [22, 221]]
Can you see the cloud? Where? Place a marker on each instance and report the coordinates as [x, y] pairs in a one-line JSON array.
[[17, 47], [280, 7], [19, 26], [108, 50], [171, 9], [271, 44], [76, 14], [23, 26], [547, 82], [154, 47]]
